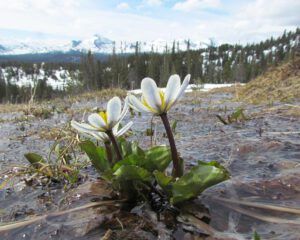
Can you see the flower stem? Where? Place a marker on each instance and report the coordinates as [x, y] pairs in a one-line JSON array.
[[115, 144], [108, 151], [177, 168]]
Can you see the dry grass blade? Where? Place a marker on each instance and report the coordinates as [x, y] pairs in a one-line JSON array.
[[4, 183], [15, 225], [283, 133], [107, 235], [262, 217], [190, 219], [11, 175], [260, 205]]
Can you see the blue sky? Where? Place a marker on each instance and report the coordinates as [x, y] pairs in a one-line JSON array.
[[230, 21]]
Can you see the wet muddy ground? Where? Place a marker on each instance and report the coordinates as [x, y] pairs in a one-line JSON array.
[[262, 154]]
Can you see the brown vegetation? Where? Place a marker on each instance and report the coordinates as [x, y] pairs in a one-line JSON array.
[[281, 83], [40, 109]]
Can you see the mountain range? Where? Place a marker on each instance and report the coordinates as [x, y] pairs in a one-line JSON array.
[[97, 44]]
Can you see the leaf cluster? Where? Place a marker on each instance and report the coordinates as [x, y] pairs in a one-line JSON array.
[[237, 116], [141, 170]]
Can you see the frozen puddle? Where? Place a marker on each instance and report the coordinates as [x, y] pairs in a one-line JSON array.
[[262, 155]]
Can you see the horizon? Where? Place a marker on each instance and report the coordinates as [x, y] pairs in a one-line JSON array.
[[227, 21]]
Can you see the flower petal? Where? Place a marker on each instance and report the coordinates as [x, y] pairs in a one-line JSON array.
[[124, 111], [96, 121], [144, 102], [100, 136], [82, 127], [113, 111], [115, 129], [151, 94], [137, 105], [86, 135], [123, 129], [172, 89], [181, 91], [88, 131]]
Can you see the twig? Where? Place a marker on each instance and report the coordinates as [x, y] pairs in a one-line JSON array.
[[291, 105], [286, 133], [121, 224], [260, 205], [262, 217], [191, 220], [24, 223], [107, 235]]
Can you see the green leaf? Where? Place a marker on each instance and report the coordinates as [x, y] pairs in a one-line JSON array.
[[149, 132], [97, 155], [181, 167], [132, 159], [236, 115], [35, 160], [125, 147], [128, 148], [174, 126], [131, 172], [107, 175], [256, 236], [157, 158], [165, 182], [211, 163], [197, 180], [136, 149], [38, 162], [57, 149]]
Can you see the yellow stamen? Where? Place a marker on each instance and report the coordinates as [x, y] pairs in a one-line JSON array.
[[162, 98], [104, 116], [144, 102]]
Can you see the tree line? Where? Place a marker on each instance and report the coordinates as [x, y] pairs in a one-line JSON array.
[[225, 63]]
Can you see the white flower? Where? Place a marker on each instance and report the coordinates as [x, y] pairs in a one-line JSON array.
[[101, 136], [155, 100], [102, 122], [105, 121]]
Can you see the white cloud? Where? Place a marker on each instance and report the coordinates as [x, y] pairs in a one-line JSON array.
[[48, 16], [279, 11], [261, 17], [252, 22], [123, 6], [45, 6], [244, 21], [192, 5], [154, 2]]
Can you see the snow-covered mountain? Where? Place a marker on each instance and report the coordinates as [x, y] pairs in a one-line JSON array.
[[97, 44]]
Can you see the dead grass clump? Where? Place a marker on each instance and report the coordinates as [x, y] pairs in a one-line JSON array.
[[41, 112], [234, 89], [103, 94], [63, 104], [51, 134], [280, 83], [9, 107], [289, 110], [294, 112]]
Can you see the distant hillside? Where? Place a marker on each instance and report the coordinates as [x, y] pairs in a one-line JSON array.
[[281, 83], [58, 57], [101, 47], [97, 44], [212, 64]]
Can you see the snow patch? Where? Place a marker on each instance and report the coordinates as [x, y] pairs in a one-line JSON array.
[[194, 87]]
